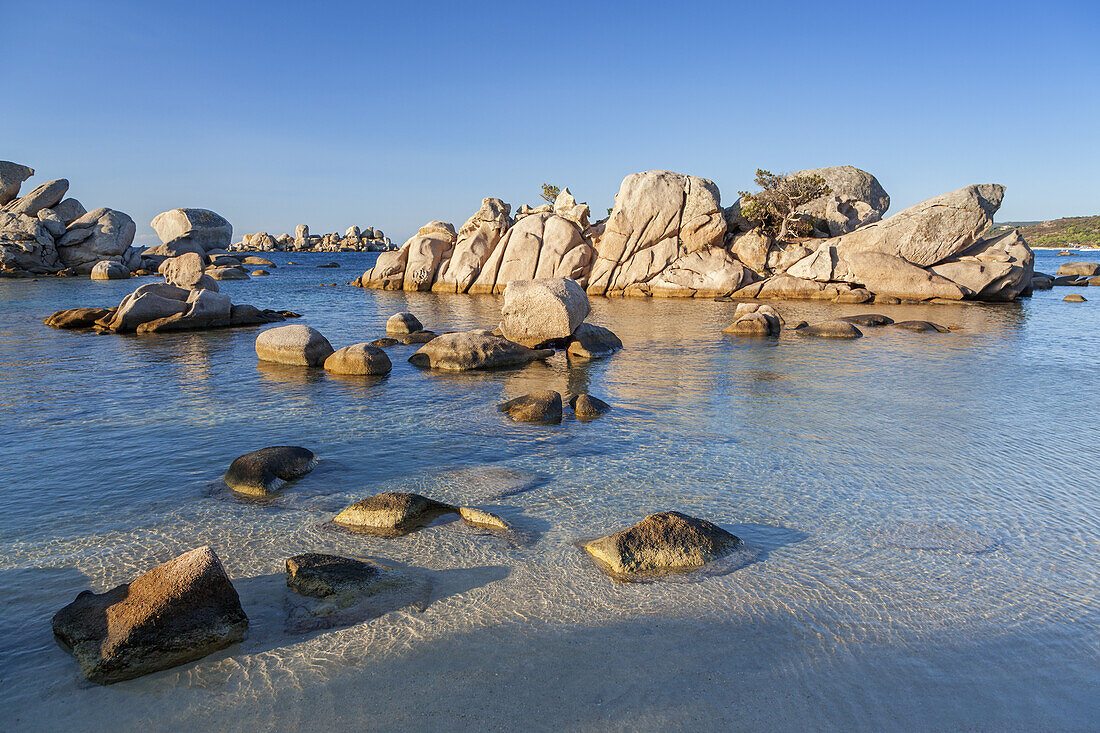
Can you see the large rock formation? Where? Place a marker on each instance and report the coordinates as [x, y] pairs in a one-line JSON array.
[[477, 239], [43, 232], [931, 231], [200, 227], [175, 613], [659, 217], [856, 199]]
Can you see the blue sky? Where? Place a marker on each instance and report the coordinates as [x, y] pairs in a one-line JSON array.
[[396, 113]]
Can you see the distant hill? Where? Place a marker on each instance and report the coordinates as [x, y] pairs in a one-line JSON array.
[[1070, 232]]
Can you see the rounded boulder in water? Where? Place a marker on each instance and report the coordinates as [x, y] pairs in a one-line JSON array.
[[263, 471]]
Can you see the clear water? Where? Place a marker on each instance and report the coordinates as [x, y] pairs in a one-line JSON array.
[[923, 507]]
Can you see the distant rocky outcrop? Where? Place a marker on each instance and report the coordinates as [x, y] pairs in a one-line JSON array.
[[354, 239], [43, 233], [668, 236]]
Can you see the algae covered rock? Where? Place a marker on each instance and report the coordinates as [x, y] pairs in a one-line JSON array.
[[663, 542]]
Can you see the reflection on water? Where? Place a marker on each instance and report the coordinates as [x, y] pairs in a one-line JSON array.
[[921, 507]]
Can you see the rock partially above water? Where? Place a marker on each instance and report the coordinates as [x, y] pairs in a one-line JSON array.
[[297, 344], [263, 471], [838, 329], [359, 359], [754, 324], [538, 311], [1074, 298], [405, 322], [590, 341], [396, 513], [664, 542], [868, 319], [474, 350], [173, 614], [538, 407], [921, 326], [77, 317], [586, 407]]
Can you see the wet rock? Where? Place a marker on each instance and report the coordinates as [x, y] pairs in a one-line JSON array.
[[384, 343], [263, 471], [331, 591], [538, 407], [254, 260], [295, 344], [328, 265], [868, 319], [474, 350], [177, 612], [400, 323], [668, 541], [359, 359], [1074, 298], [77, 317], [586, 407], [838, 329], [590, 341], [110, 270], [260, 273], [538, 311], [921, 326], [481, 518], [855, 295]]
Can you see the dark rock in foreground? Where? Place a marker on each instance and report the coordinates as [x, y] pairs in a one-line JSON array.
[[540, 407], [263, 471], [331, 591], [587, 407], [664, 542], [173, 614]]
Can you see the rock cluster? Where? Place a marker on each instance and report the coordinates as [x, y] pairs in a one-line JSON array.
[[43, 232], [354, 239], [188, 300], [668, 236]]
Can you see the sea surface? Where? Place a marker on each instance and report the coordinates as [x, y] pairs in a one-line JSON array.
[[922, 509]]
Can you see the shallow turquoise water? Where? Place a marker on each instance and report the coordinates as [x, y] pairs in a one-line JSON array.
[[855, 470]]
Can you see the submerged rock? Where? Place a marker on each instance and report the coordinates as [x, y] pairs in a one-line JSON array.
[[263, 471], [418, 337], [586, 407], [384, 343], [540, 407], [663, 542], [396, 513], [295, 344], [175, 613], [935, 536], [331, 591], [359, 359], [474, 350]]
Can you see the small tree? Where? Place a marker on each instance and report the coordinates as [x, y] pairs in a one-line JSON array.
[[775, 207], [549, 193]]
